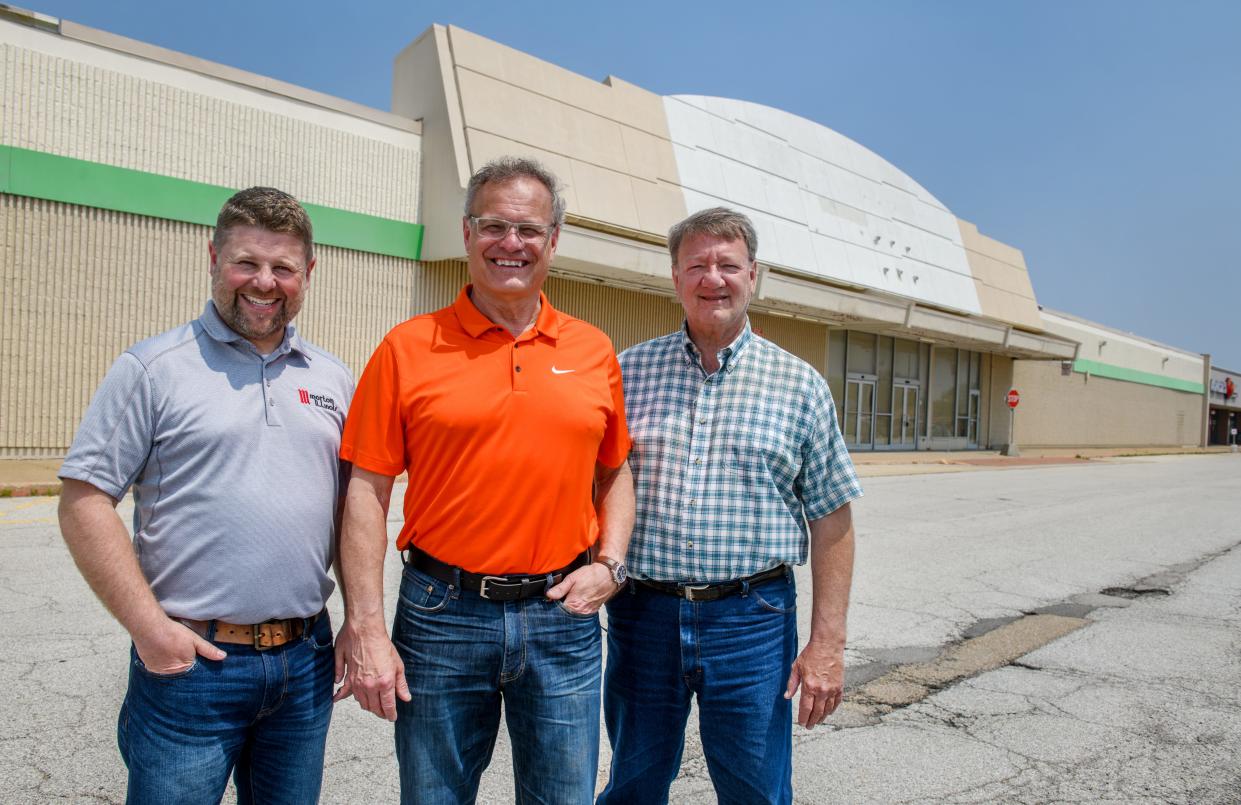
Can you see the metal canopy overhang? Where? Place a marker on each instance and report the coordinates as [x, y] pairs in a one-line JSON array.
[[586, 253], [589, 255], [872, 311]]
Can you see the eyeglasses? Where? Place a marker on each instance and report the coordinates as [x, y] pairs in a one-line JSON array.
[[498, 228]]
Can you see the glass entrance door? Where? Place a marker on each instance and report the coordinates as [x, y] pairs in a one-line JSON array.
[[905, 416], [971, 430], [859, 429]]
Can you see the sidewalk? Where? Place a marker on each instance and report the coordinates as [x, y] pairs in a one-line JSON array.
[[24, 477]]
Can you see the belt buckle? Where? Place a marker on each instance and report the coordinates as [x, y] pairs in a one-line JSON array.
[[692, 589], [264, 632], [482, 585]]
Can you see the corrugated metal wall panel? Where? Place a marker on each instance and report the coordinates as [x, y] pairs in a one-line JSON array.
[[79, 285], [438, 285], [805, 339], [354, 299], [628, 317], [79, 110]]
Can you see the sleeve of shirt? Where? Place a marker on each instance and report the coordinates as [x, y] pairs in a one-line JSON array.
[[616, 442], [827, 479], [374, 437], [114, 440]]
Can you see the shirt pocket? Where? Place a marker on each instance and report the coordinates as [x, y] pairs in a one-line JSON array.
[[758, 452]]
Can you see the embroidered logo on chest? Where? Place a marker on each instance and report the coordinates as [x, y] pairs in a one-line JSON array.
[[319, 400]]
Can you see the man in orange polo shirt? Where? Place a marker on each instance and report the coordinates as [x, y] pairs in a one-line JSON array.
[[508, 417]]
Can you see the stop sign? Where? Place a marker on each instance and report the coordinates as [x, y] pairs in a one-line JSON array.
[[1013, 398]]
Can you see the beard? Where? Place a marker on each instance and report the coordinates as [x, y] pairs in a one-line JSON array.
[[228, 305]]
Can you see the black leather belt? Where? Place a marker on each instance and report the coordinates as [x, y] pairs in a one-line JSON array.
[[712, 592], [494, 588]]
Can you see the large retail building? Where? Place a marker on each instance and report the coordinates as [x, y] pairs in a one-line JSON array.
[[116, 155]]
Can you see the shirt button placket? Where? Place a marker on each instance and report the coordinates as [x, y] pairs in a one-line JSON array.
[[269, 409], [699, 445], [516, 356]]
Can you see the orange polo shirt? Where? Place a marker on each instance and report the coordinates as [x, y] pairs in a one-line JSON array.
[[499, 435]]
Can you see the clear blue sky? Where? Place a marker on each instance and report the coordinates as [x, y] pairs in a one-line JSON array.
[[1103, 138]]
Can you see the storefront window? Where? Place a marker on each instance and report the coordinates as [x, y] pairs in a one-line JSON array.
[[883, 392], [905, 360], [943, 391], [861, 353], [836, 368]]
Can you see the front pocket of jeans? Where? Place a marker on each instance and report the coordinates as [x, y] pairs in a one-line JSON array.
[[770, 607], [147, 672], [314, 641], [417, 592], [575, 615]]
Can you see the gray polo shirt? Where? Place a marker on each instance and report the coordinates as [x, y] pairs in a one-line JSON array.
[[232, 457]]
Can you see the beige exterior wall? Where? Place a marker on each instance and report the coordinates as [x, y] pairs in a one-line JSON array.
[[628, 317], [87, 102], [81, 285], [607, 141], [999, 381], [1125, 351], [1001, 279], [1082, 410]]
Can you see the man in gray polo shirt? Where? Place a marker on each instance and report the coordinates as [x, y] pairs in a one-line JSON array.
[[227, 429]]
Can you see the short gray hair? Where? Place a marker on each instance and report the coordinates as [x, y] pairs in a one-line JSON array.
[[718, 221], [505, 169]]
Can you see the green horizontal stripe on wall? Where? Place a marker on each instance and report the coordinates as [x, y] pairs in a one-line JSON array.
[[37, 174], [1135, 376]]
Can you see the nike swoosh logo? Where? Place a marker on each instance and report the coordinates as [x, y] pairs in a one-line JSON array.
[[556, 371]]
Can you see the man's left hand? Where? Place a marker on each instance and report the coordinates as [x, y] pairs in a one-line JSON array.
[[820, 672], [585, 589]]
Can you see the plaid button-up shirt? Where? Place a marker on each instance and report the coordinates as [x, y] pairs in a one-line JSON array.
[[728, 467]]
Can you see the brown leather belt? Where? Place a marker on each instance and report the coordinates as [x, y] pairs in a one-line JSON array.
[[712, 592], [262, 636]]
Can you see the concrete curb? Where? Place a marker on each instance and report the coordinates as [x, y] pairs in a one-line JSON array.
[[29, 490], [37, 477]]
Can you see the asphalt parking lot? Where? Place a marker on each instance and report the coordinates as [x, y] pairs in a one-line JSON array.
[[1030, 634]]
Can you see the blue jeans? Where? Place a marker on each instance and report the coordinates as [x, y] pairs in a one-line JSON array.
[[261, 715], [464, 654], [735, 655]]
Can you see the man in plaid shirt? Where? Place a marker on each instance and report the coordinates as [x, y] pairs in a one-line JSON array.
[[740, 472]]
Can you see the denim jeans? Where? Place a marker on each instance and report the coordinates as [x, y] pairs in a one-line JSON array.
[[464, 654], [734, 655], [261, 715]]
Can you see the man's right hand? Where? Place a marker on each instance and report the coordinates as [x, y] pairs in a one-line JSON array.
[[170, 648], [371, 669]]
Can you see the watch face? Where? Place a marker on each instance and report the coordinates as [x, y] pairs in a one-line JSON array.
[[620, 573]]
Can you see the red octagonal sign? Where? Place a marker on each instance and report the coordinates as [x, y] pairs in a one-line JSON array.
[[1013, 398]]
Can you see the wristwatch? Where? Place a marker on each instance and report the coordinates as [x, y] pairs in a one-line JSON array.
[[620, 573]]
